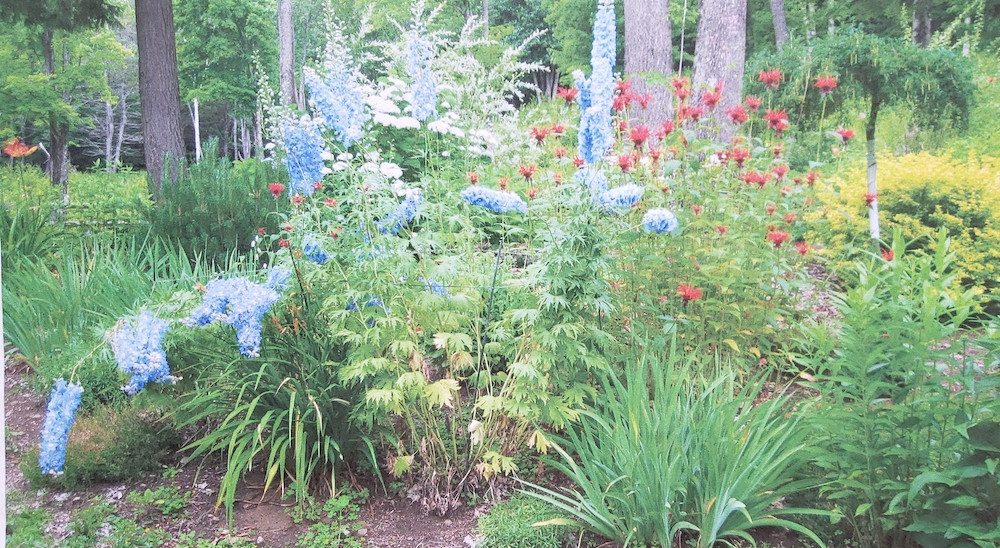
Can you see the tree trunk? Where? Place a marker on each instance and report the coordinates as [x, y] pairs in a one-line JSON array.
[[121, 130], [109, 136], [58, 129], [922, 23], [159, 91], [196, 126], [286, 53], [873, 222], [236, 140], [647, 50], [486, 17], [258, 133], [245, 139], [719, 56], [780, 23]]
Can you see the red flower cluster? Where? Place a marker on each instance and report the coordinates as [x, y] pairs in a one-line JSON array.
[[626, 162], [639, 135], [779, 171], [685, 112], [770, 78], [666, 129], [276, 189], [802, 247], [826, 84], [846, 134], [777, 237], [532, 192], [557, 129], [870, 199], [682, 88], [502, 182], [688, 293], [776, 120], [887, 254], [737, 114], [711, 98], [539, 133], [753, 102], [790, 217], [738, 155], [754, 178], [473, 177], [568, 94], [297, 200], [560, 152], [527, 171]]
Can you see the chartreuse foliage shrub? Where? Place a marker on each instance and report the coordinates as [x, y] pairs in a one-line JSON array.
[[674, 447], [512, 524], [921, 194], [901, 408]]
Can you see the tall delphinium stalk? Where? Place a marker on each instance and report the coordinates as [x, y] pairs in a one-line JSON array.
[[597, 93], [304, 148], [419, 52], [59, 417], [336, 95]]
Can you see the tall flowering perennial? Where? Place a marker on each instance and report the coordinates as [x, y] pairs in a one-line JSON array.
[[59, 416], [594, 179], [139, 352], [313, 251], [303, 155], [239, 303], [497, 201], [659, 220], [338, 101], [619, 199], [419, 53], [403, 214], [597, 94]]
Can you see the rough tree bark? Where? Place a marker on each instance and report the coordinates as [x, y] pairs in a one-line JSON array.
[[648, 50], [159, 90], [780, 22], [58, 129], [922, 23], [719, 56], [286, 53], [873, 221]]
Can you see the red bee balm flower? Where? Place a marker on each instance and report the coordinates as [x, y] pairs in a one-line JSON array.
[[770, 78], [666, 129], [755, 178], [870, 199], [560, 152], [737, 114], [639, 134], [626, 162], [776, 120], [721, 229], [887, 254], [527, 171], [276, 189], [568, 94], [790, 218], [578, 161], [777, 237], [532, 192], [738, 155], [557, 129], [539, 133], [688, 293], [826, 84], [711, 98], [297, 199], [779, 171], [802, 247], [846, 134], [473, 177], [284, 243], [753, 102]]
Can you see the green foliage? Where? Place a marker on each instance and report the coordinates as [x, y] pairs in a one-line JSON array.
[[98, 524], [214, 209], [513, 524], [166, 500], [336, 523], [668, 452], [572, 24], [26, 527], [896, 399], [110, 444]]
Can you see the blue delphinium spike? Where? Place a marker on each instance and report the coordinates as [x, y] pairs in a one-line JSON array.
[[497, 201], [314, 252], [59, 416], [659, 220], [419, 53], [139, 352], [594, 179], [277, 278], [605, 34], [303, 155]]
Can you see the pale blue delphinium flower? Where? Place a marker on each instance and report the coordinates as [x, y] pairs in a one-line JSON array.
[[139, 352], [605, 34], [419, 52], [403, 214], [277, 278], [435, 287], [583, 85], [239, 303], [497, 201], [303, 155], [659, 220], [59, 416], [619, 199], [337, 98]]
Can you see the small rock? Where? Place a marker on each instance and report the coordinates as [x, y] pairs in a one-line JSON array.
[[60, 497], [447, 523]]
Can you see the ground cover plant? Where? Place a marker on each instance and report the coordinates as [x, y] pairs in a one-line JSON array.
[[426, 287]]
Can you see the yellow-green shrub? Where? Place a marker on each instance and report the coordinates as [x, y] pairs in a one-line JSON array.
[[921, 193]]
